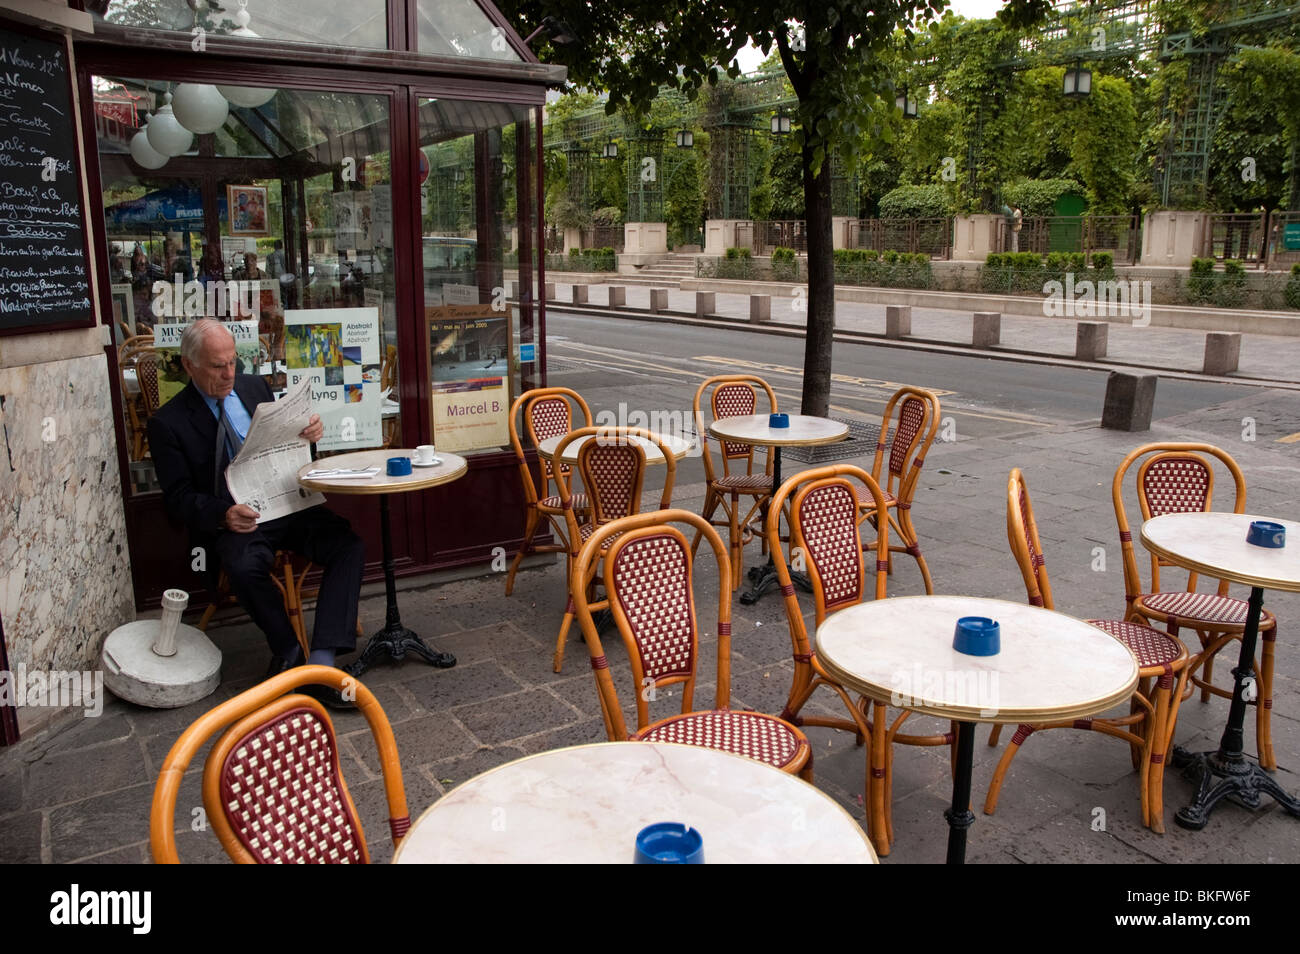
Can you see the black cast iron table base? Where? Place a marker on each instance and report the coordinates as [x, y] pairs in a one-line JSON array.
[[394, 641], [1227, 773], [763, 578], [959, 816]]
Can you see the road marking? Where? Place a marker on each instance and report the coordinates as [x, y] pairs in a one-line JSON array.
[[891, 386], [1289, 439]]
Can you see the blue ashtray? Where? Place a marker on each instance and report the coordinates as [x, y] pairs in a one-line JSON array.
[[778, 420], [1266, 533], [399, 466], [669, 843], [977, 636]]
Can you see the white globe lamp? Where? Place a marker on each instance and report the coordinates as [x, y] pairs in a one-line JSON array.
[[200, 108], [166, 135], [145, 155], [249, 97]]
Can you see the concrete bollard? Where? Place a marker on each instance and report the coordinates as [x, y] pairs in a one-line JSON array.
[[1222, 352], [580, 294], [617, 296], [760, 307], [898, 320], [986, 329], [550, 291], [1129, 400], [706, 303], [658, 300], [1090, 340], [514, 290]]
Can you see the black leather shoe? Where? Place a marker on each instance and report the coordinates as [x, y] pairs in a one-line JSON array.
[[279, 664], [327, 696]]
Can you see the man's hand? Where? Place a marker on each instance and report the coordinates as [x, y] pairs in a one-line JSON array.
[[314, 430], [241, 518]]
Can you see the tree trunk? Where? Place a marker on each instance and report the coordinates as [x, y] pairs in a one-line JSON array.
[[816, 396]]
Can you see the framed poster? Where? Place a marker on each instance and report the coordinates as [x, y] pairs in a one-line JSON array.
[[246, 206], [337, 350], [470, 358], [123, 303]]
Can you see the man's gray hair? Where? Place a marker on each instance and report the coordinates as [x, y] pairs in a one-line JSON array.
[[194, 336]]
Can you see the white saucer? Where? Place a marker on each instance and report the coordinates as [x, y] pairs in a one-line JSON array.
[[433, 463]]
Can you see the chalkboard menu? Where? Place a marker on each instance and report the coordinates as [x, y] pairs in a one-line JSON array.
[[43, 275]]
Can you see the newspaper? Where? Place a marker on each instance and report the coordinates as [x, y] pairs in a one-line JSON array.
[[264, 474]]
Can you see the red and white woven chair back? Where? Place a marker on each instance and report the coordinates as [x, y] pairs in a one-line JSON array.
[[826, 515], [911, 418], [734, 400], [549, 417], [284, 797], [651, 582], [1175, 483], [146, 373], [611, 473]]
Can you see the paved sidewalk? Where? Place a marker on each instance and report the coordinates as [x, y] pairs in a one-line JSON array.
[[1263, 357], [81, 791]]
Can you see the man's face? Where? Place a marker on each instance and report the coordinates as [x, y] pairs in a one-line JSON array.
[[214, 371]]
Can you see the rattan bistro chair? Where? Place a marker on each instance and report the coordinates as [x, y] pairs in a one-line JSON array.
[[612, 468], [1162, 672], [546, 412], [906, 442], [826, 513], [733, 395], [647, 567], [1177, 478], [272, 786]]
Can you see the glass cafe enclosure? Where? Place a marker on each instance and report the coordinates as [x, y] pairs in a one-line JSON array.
[[355, 226]]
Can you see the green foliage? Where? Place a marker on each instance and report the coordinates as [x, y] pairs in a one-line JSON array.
[[1037, 197], [782, 254], [1021, 271], [1231, 289], [734, 253], [915, 202], [785, 265], [1200, 283], [1104, 262], [892, 269], [1293, 287]]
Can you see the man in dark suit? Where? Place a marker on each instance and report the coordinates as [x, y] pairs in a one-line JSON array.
[[192, 439]]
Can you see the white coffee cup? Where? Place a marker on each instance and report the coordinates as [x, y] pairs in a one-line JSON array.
[[424, 454]]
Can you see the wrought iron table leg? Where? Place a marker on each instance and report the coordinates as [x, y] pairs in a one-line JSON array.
[[763, 578], [394, 640], [1237, 777], [959, 816]]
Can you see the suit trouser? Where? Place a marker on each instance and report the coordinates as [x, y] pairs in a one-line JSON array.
[[323, 537]]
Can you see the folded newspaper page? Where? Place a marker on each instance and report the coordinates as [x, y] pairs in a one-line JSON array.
[[264, 474]]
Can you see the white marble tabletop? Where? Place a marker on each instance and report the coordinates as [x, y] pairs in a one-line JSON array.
[[803, 431], [586, 804], [1051, 666], [653, 455], [1215, 544], [453, 467]]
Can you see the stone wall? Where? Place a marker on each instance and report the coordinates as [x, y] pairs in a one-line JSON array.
[[65, 573]]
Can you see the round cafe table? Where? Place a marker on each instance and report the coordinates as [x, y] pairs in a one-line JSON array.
[[804, 431], [653, 455], [394, 640], [1214, 545], [585, 805], [899, 651]]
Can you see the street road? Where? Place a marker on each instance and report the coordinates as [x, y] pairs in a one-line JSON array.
[[649, 365]]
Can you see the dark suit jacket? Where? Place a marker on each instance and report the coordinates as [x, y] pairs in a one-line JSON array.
[[183, 442]]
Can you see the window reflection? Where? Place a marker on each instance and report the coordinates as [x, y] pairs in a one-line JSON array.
[[275, 222]]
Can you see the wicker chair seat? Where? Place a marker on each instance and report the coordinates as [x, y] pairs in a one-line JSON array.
[[745, 483], [1151, 647], [1193, 608], [553, 504], [754, 735]]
